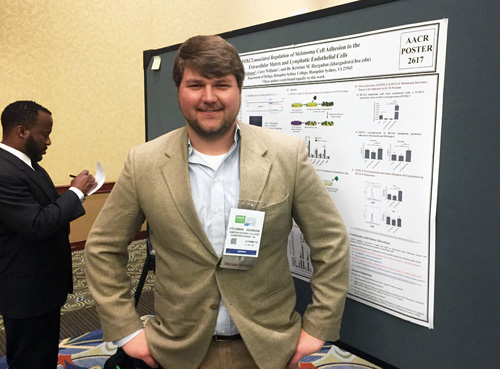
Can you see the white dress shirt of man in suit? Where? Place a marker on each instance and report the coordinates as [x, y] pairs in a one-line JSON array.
[[260, 302], [35, 255]]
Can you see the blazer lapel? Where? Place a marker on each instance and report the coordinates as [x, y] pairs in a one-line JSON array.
[[254, 169], [175, 172], [43, 180]]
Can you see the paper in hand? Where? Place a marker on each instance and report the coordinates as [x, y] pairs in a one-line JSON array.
[[99, 178]]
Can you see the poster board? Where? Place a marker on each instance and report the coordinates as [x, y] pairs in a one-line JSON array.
[[368, 107], [465, 330]]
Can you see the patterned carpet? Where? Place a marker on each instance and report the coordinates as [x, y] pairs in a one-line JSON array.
[[78, 314], [88, 351], [81, 297], [81, 345]]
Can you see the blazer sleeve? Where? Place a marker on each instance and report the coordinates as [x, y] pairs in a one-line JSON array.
[[106, 255], [24, 214], [325, 233]]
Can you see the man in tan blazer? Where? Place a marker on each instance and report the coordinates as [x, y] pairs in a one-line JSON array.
[[184, 183]]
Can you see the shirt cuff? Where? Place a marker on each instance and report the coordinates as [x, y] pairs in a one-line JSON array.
[[124, 340], [79, 193]]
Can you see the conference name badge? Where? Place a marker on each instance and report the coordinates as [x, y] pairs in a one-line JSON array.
[[244, 233]]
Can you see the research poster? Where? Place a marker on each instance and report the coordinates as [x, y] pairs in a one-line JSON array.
[[368, 108]]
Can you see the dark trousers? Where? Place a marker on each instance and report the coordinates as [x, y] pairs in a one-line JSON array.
[[33, 342]]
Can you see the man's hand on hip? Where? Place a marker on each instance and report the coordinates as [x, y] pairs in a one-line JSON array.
[[138, 348], [306, 345]]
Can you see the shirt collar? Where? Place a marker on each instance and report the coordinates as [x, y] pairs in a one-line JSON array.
[[237, 135], [20, 155]]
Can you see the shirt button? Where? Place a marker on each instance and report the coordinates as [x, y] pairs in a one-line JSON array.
[[216, 180], [217, 210]]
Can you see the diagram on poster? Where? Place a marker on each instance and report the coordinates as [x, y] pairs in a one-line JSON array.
[[368, 108]]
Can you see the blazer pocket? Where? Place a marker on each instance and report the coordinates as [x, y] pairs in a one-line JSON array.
[[278, 217], [167, 299], [289, 288], [175, 320], [274, 205], [277, 309]]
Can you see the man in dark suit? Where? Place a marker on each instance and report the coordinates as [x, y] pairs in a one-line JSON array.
[[35, 255]]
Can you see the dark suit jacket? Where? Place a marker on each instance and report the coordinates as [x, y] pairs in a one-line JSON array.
[[35, 255]]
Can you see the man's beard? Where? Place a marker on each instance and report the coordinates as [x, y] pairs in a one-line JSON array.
[[211, 134], [32, 149]]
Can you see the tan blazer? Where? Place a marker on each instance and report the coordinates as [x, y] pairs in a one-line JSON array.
[[276, 174]]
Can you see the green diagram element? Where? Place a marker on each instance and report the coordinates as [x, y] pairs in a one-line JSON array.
[[313, 104], [329, 183]]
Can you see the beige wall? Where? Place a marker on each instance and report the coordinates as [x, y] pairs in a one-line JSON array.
[[83, 61], [80, 227]]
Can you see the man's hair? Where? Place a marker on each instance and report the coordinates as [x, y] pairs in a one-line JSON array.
[[21, 113], [211, 56]]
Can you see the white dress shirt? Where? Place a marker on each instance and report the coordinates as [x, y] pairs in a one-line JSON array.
[[215, 187]]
